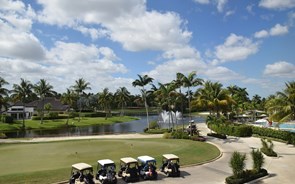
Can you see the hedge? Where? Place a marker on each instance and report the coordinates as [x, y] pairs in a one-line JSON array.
[[6, 119], [287, 136], [230, 129], [48, 117], [95, 114], [248, 175], [220, 136]]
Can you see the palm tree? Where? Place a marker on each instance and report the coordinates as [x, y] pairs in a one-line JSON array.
[[166, 95], [68, 98], [142, 82], [122, 95], [22, 92], [188, 82], [104, 99], [282, 107], [3, 93], [80, 86], [43, 89], [214, 97]]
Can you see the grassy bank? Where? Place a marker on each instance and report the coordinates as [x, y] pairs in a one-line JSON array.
[[60, 123], [51, 162]]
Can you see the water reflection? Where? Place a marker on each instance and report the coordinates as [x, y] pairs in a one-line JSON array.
[[127, 127]]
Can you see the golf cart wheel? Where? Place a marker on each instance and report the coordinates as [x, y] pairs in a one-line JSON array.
[[120, 173]]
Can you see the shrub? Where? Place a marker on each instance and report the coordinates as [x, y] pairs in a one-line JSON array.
[[95, 114], [153, 125], [231, 129], [258, 160], [3, 136], [248, 175], [53, 115], [267, 148], [167, 135], [179, 134], [220, 136], [6, 119], [237, 163], [278, 134], [156, 131]]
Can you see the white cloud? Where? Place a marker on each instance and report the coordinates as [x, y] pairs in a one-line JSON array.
[[15, 36], [277, 30], [261, 34], [126, 22], [221, 4], [235, 48], [280, 69], [202, 1], [277, 4], [221, 73]]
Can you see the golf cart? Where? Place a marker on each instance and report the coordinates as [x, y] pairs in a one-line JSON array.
[[106, 171], [128, 169], [191, 129], [170, 165], [81, 173], [147, 167]]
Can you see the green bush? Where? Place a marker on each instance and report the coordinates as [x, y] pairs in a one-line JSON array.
[[94, 114], [220, 136], [237, 163], [154, 125], [74, 114], [6, 119], [156, 131], [278, 134], [3, 135], [53, 115], [247, 176], [167, 135], [48, 117], [179, 134], [231, 129], [258, 160], [267, 148]]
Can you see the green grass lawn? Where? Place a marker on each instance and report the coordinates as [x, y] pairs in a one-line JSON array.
[[59, 123], [51, 162]]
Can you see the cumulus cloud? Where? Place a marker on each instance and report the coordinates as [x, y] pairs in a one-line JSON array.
[[221, 73], [202, 1], [277, 4], [280, 69], [277, 30], [16, 39], [127, 22], [235, 48], [220, 4]]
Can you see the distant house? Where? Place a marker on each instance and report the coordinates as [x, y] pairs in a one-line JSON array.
[[18, 109]]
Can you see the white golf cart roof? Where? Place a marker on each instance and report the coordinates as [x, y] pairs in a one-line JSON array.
[[105, 162], [81, 166], [128, 160], [145, 159], [170, 156]]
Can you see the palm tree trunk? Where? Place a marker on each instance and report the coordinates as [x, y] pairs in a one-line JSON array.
[[24, 116], [147, 113], [122, 110], [42, 111]]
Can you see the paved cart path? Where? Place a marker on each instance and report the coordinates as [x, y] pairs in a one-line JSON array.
[[281, 169]]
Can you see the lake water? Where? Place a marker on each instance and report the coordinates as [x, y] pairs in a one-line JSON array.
[[135, 126]]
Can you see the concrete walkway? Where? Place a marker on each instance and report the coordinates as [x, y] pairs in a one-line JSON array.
[[281, 169]]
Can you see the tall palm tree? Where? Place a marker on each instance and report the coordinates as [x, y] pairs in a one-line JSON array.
[[142, 82], [43, 89], [214, 97], [68, 98], [166, 95], [21, 92], [282, 107], [188, 82], [122, 96], [104, 99], [80, 86], [3, 93]]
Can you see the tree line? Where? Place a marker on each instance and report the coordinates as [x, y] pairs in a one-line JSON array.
[[184, 93]]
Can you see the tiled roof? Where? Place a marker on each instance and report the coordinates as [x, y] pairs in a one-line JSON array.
[[56, 104]]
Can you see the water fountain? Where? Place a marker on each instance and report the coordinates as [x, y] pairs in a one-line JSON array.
[[169, 117]]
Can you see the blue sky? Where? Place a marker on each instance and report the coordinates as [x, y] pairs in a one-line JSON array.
[[108, 42]]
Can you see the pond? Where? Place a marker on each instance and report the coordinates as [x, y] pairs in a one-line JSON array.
[[135, 126]]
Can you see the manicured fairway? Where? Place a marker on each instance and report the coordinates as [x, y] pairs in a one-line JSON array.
[[50, 162]]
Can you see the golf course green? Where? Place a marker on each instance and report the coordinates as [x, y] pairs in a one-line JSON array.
[[49, 162]]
